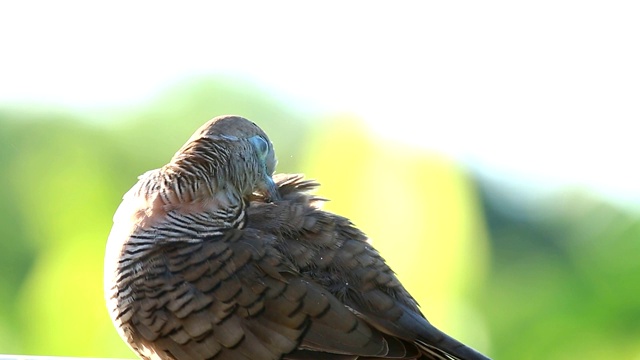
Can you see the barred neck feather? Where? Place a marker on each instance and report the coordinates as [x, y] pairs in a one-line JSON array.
[[193, 196]]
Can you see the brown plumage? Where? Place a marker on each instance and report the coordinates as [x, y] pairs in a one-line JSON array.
[[210, 257]]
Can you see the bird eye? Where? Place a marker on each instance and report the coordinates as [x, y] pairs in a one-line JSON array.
[[261, 145]]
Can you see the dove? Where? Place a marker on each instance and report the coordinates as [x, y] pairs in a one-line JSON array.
[[212, 256]]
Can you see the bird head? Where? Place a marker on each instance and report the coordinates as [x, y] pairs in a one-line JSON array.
[[230, 154]]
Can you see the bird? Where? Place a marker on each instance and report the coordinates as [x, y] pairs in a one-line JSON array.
[[213, 256]]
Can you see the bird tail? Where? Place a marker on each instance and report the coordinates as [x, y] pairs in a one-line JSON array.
[[442, 346]]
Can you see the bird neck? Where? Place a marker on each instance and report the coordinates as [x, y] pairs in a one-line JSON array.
[[199, 190], [172, 202]]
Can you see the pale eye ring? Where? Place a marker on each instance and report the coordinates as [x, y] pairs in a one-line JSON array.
[[261, 145]]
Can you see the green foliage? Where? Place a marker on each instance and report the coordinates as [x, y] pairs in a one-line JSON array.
[[557, 280], [564, 284]]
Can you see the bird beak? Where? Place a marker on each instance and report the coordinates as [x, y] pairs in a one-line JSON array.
[[269, 189]]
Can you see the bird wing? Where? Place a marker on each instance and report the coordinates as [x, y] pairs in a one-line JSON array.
[[328, 250], [234, 297]]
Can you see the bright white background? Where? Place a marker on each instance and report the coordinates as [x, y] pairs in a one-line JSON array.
[[542, 90]]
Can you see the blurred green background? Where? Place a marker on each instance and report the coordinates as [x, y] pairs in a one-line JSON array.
[[518, 277]]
